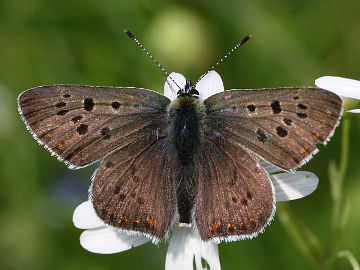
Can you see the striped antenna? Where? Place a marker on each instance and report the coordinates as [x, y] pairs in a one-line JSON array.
[[133, 38], [242, 42]]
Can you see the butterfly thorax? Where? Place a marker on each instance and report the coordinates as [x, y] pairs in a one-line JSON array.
[[185, 117], [185, 114]]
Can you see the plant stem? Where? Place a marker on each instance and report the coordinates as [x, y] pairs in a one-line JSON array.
[[337, 176], [352, 260], [298, 238]]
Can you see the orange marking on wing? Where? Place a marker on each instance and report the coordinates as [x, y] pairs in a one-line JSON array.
[[149, 221], [230, 226], [217, 224], [60, 146], [305, 148], [137, 221]]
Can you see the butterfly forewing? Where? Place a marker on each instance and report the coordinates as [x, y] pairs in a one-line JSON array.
[[81, 124], [132, 188], [281, 125], [235, 198]]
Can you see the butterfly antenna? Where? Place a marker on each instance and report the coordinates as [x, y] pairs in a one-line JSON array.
[[133, 38], [242, 42]]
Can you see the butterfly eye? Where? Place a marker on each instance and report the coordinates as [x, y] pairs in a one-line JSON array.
[[194, 92]]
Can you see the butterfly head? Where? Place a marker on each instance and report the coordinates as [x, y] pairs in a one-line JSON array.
[[188, 90]]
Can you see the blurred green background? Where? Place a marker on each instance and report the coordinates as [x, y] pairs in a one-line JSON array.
[[82, 42]]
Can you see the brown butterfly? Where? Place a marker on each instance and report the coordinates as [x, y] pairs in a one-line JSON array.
[[190, 159]]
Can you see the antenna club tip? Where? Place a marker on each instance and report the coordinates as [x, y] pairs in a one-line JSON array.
[[250, 36], [126, 31]]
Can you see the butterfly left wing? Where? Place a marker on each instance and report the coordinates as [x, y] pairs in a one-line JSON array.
[[281, 125], [235, 198], [81, 124], [132, 189]]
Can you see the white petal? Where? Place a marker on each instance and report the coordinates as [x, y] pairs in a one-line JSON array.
[[341, 86], [106, 241], [185, 244], [170, 88], [269, 167], [354, 111], [209, 85], [84, 217], [292, 186]]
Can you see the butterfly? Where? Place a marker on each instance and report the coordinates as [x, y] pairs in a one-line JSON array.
[[189, 160]]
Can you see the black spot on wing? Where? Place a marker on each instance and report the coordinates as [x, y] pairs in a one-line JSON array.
[[60, 104], [287, 121], [302, 106], [82, 129], [251, 108], [105, 132], [76, 118], [88, 104], [115, 105], [301, 115], [244, 201], [276, 107], [261, 135], [282, 132], [62, 112]]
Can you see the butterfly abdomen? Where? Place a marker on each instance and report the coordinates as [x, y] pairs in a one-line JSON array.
[[185, 115]]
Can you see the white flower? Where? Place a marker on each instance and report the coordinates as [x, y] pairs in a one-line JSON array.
[[341, 86], [185, 243]]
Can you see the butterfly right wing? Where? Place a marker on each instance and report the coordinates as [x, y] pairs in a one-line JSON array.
[[281, 125], [81, 124], [132, 190]]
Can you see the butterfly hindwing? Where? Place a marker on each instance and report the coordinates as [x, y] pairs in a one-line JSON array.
[[81, 124], [132, 189], [235, 198], [281, 125]]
